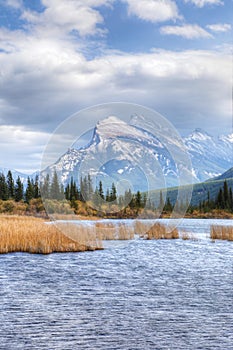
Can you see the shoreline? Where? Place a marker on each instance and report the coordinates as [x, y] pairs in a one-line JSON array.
[[209, 215]]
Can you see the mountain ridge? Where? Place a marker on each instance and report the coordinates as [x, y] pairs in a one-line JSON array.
[[118, 149], [129, 143]]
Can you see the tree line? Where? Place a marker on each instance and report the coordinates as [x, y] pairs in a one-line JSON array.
[[14, 190], [86, 193], [222, 201], [51, 188]]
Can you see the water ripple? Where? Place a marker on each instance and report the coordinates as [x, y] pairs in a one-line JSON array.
[[144, 295]]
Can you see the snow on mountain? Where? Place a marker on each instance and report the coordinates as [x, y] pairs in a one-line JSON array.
[[210, 157], [128, 151], [127, 154], [15, 174], [132, 156]]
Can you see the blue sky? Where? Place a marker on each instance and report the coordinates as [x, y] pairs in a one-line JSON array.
[[59, 56]]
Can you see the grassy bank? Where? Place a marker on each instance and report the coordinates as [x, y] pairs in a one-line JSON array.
[[33, 235]]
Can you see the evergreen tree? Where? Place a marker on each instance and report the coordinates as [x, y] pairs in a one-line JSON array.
[[18, 190], [96, 198], [225, 195], [230, 200], [85, 189], [62, 192], [132, 203], [113, 193], [82, 189], [107, 197], [144, 200], [67, 192], [29, 194], [10, 185], [220, 199], [200, 206], [55, 191], [72, 190], [168, 206], [90, 187], [3, 188], [208, 200], [45, 187], [100, 190], [138, 199], [161, 201], [36, 187]]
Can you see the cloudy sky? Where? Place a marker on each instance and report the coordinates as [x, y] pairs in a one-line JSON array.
[[59, 56]]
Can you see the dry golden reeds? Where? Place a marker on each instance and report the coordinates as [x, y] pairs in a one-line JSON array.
[[105, 231], [125, 232], [141, 227], [32, 235], [156, 231], [188, 236], [221, 232], [113, 231]]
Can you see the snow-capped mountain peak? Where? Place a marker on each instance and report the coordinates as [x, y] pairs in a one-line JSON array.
[[135, 152], [200, 135], [113, 127], [226, 138]]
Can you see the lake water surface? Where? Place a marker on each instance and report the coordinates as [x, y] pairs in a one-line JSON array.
[[134, 295]]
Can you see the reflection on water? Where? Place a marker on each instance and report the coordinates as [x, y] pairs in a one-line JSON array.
[[170, 294]]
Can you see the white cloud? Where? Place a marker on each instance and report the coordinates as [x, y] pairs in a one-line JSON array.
[[153, 10], [45, 80], [187, 31], [65, 16], [202, 3], [23, 148], [14, 3], [44, 77], [219, 27]]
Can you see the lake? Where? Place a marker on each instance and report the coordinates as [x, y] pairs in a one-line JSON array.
[[134, 295]]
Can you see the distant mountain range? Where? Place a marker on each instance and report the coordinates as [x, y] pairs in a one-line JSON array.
[[126, 150], [225, 176], [15, 174], [210, 156], [200, 190], [119, 150]]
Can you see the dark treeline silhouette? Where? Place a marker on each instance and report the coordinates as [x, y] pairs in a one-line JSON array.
[[83, 192], [86, 193], [222, 201], [14, 190]]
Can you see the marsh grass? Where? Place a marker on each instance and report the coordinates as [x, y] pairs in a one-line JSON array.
[[141, 227], [187, 236], [32, 235], [157, 231], [221, 232], [113, 231]]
